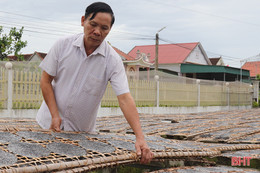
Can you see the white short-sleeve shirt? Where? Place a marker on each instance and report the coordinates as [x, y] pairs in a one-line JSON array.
[[80, 82]]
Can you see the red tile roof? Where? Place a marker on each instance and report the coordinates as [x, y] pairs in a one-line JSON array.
[[123, 55], [253, 67], [168, 53]]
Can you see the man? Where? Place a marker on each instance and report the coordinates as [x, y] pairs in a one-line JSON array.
[[75, 74]]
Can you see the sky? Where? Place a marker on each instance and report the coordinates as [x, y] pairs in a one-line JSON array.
[[227, 28]]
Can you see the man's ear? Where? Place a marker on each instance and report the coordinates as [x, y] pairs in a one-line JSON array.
[[82, 20]]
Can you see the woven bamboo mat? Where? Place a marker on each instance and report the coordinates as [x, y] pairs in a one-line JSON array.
[[241, 126], [25, 147]]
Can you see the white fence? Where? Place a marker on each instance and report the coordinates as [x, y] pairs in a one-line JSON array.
[[20, 89]]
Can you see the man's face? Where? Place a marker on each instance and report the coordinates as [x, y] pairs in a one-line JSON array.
[[96, 30]]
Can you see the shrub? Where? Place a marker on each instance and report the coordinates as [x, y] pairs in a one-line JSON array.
[[255, 104]]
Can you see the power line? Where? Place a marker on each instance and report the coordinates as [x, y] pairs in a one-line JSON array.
[[33, 23], [21, 15], [115, 34], [128, 37], [226, 56], [58, 33], [125, 32], [22, 23], [204, 13], [32, 27], [251, 58], [39, 32], [38, 18]]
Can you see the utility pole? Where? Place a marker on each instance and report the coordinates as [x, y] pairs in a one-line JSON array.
[[156, 51], [156, 48]]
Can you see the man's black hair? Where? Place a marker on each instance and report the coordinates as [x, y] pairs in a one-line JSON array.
[[99, 7]]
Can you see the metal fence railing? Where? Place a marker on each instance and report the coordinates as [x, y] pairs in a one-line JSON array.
[[173, 94], [26, 90], [168, 91], [3, 88]]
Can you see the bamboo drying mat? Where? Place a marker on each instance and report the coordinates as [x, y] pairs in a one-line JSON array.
[[25, 147]]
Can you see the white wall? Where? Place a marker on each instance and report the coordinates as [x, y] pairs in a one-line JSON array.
[[197, 57], [31, 113], [172, 67], [35, 58]]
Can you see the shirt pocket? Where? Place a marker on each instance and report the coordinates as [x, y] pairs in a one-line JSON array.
[[94, 86]]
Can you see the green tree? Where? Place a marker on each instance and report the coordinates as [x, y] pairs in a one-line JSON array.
[[11, 43], [258, 77]]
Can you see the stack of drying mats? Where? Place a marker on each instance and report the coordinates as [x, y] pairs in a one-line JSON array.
[[25, 147]]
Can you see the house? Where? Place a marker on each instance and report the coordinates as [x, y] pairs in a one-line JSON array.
[[253, 67], [15, 58], [217, 61], [132, 64], [170, 56], [135, 64], [215, 72], [36, 56], [190, 60], [186, 59]]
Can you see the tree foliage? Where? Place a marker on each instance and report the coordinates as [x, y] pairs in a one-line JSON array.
[[258, 77], [11, 43]]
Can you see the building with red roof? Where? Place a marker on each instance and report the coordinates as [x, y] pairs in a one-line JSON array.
[[170, 56], [36, 56], [134, 64], [15, 58], [190, 60], [253, 67], [175, 53], [185, 59]]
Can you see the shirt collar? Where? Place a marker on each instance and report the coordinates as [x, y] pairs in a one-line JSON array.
[[79, 42]]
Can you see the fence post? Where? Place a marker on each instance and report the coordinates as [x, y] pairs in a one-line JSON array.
[[156, 77], [252, 94], [238, 94], [9, 66], [198, 99], [228, 97]]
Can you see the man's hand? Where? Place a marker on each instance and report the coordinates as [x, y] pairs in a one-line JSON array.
[[127, 105], [55, 124], [143, 151]]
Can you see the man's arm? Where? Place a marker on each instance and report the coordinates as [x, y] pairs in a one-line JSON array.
[[127, 105], [48, 95]]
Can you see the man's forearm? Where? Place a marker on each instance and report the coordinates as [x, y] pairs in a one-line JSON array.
[[129, 110], [128, 107], [48, 94]]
